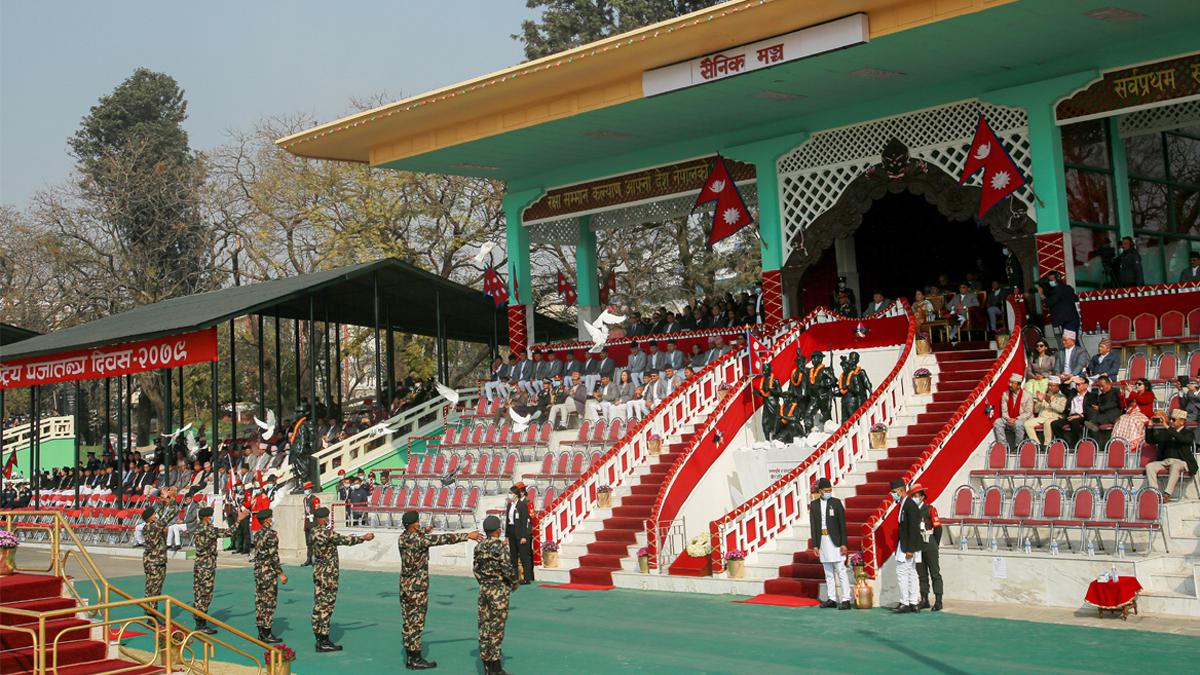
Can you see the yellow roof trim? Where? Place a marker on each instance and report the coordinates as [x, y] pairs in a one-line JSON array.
[[603, 73]]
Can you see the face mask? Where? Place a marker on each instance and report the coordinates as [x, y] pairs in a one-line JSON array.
[[895, 496], [826, 495]]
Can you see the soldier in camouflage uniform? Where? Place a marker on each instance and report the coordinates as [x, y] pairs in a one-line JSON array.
[[154, 556], [414, 546], [205, 572], [324, 543], [268, 574], [497, 578]]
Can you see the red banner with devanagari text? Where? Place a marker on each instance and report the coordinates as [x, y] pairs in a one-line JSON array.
[[111, 361]]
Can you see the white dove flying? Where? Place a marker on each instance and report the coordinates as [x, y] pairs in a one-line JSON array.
[[171, 437], [519, 423], [484, 249], [447, 393], [268, 427]]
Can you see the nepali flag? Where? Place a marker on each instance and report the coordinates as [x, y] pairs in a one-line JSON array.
[[731, 213], [758, 354], [1001, 177], [566, 289], [494, 286], [609, 287]]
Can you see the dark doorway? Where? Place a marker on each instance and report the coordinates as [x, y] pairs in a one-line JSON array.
[[905, 243]]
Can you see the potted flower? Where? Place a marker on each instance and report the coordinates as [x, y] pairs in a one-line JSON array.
[[878, 435], [655, 444], [8, 553], [1002, 336], [735, 564], [604, 497], [924, 346], [550, 554], [644, 560], [922, 380], [286, 656], [864, 595]]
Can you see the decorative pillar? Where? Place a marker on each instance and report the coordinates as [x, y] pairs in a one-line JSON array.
[[520, 293], [764, 155], [587, 276]]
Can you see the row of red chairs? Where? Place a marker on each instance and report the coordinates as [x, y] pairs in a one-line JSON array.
[[472, 438], [1086, 463], [487, 468], [1152, 331], [1059, 510], [565, 468]]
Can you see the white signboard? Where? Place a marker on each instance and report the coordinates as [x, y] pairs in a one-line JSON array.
[[827, 37]]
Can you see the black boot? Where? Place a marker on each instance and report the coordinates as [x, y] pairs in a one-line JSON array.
[[202, 627], [937, 605], [265, 635], [325, 645], [416, 662], [924, 603]]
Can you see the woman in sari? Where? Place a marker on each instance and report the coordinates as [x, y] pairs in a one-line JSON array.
[[1040, 368]]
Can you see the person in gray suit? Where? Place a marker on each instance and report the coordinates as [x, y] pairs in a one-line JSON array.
[[636, 363], [1192, 271], [1072, 359]]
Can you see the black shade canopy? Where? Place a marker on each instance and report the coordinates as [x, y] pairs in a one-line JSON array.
[[410, 296], [10, 334]]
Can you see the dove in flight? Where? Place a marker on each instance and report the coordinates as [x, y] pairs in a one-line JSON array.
[[484, 250], [268, 427], [520, 423], [447, 393]]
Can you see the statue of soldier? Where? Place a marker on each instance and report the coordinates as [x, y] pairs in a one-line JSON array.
[[798, 394], [771, 391], [821, 385], [853, 385], [303, 440]]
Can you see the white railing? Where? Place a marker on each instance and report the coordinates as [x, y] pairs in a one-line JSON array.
[[20, 437], [368, 445], [761, 518], [667, 419]]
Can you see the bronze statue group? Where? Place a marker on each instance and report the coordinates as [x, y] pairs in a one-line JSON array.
[[808, 402]]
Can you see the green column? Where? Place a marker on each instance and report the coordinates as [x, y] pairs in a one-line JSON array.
[[518, 244], [1122, 207]]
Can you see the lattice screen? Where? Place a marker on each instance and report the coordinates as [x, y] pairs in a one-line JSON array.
[[814, 176], [1161, 118]]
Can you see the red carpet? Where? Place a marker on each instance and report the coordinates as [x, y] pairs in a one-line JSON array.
[[780, 601], [578, 587]]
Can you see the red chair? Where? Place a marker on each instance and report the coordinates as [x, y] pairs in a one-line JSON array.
[[1146, 518], [1120, 332], [963, 513]]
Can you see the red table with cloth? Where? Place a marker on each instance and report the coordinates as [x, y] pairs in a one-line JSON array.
[[1117, 596]]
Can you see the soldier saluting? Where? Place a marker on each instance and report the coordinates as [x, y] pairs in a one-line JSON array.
[[497, 578], [205, 571], [326, 570], [268, 574], [414, 546], [154, 556]]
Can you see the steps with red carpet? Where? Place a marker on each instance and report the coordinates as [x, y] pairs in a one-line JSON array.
[[77, 653], [612, 543], [961, 367]]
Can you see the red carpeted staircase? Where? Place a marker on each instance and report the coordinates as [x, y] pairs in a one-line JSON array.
[[620, 531], [961, 368], [78, 654]]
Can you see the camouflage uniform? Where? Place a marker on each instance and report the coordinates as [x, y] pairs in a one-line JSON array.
[[496, 575], [154, 556], [205, 571], [414, 580], [266, 576], [325, 573]]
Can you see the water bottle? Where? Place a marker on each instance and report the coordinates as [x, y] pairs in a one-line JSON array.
[[1054, 547], [962, 543], [1120, 552], [994, 545], [1028, 546], [1091, 550]]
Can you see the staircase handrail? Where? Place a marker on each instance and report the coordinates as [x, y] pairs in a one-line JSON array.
[[369, 444], [872, 552], [55, 525], [576, 502], [785, 501], [20, 436]]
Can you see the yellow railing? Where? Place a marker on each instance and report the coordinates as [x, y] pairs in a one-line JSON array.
[[175, 646]]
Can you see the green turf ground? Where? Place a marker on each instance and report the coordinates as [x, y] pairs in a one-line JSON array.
[[552, 631]]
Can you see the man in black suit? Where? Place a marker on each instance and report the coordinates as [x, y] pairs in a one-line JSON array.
[[827, 523], [519, 531], [908, 549]]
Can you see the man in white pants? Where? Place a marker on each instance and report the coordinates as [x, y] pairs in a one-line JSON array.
[[827, 520], [908, 549]]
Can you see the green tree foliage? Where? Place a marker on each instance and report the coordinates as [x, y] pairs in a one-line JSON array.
[[571, 23]]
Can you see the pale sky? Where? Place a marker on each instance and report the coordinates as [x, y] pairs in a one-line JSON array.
[[236, 61]]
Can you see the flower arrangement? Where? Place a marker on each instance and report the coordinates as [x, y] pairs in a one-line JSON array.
[[550, 547], [8, 540], [922, 372], [604, 488], [288, 653], [879, 427], [700, 545], [735, 555], [643, 552]]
